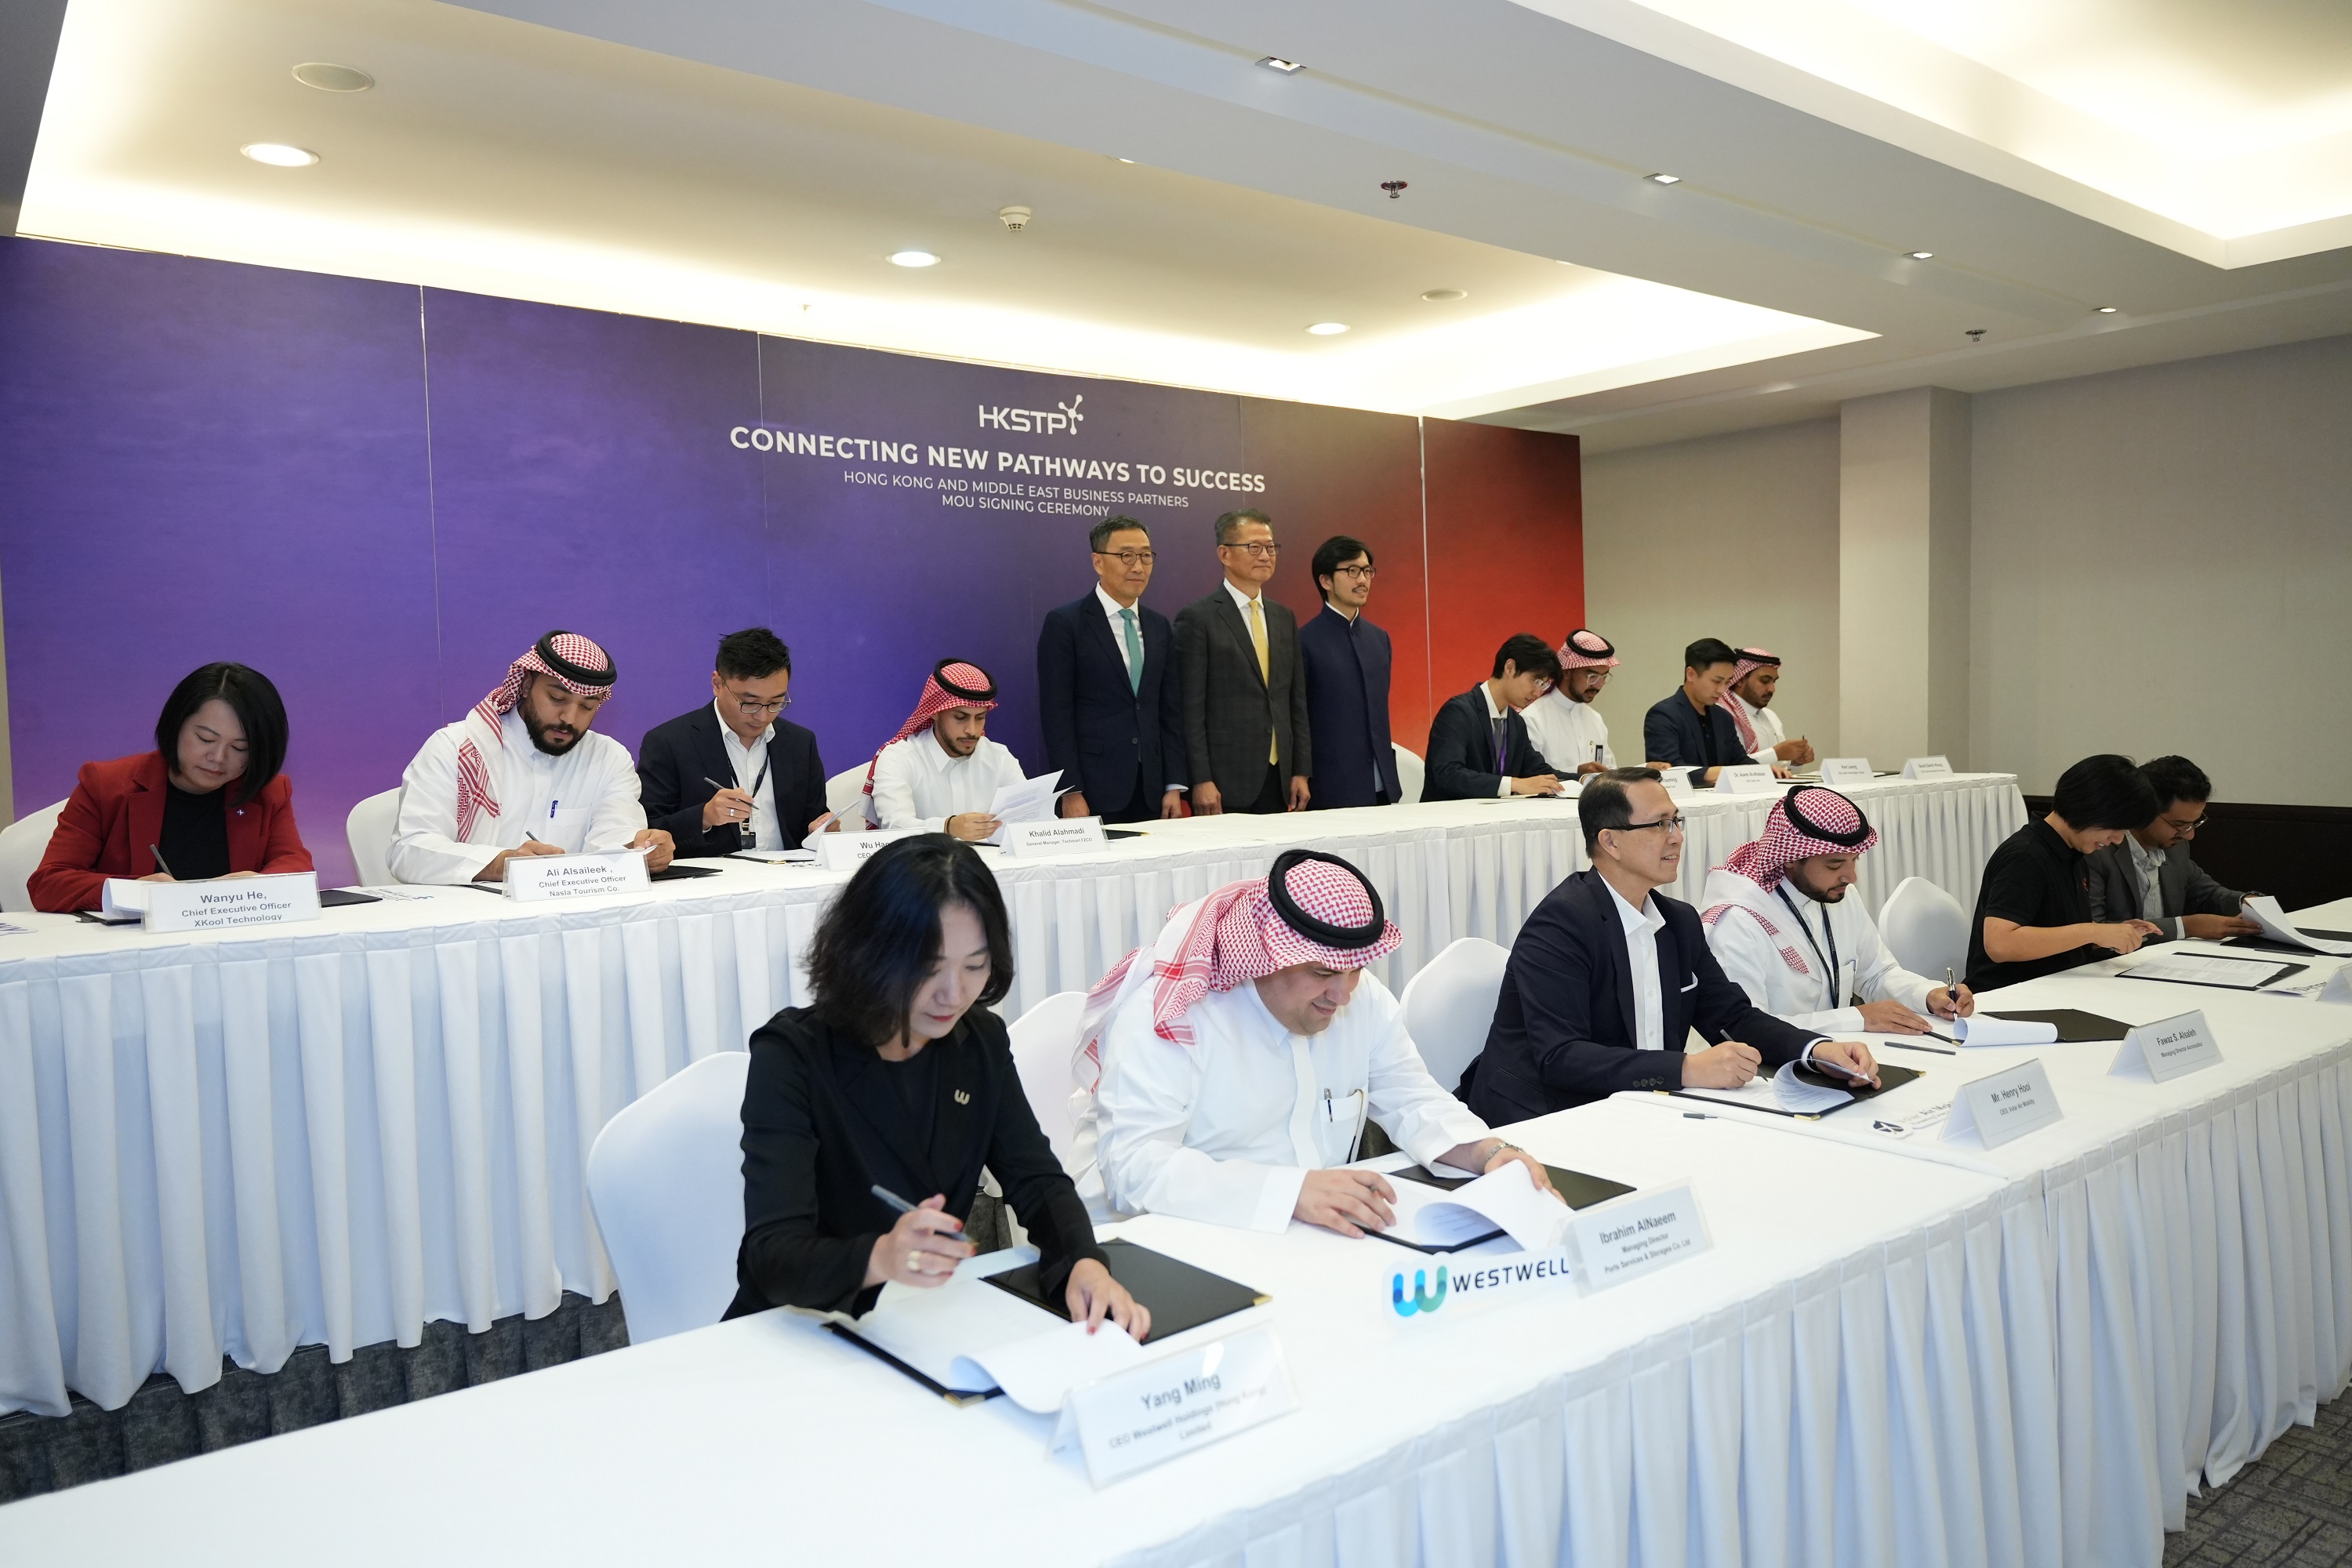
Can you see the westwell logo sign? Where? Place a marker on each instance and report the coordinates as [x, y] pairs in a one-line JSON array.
[[1422, 1302], [1509, 1272]]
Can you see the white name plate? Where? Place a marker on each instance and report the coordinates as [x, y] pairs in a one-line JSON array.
[[2003, 1106], [232, 901], [1842, 772], [1927, 768], [2339, 986], [1055, 836], [1469, 1282], [847, 851], [2167, 1049], [1630, 1236], [1747, 778], [1144, 1416], [532, 879]]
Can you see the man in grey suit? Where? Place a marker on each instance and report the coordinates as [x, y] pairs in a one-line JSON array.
[[2150, 875], [1244, 697]]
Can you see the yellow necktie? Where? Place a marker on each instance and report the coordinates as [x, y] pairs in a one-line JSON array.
[[1265, 671]]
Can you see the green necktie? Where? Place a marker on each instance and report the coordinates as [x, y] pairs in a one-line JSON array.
[[1134, 651]]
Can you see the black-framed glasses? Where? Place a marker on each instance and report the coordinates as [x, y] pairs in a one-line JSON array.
[[1674, 823], [1366, 573], [752, 707], [1263, 549], [2185, 828], [1130, 558]]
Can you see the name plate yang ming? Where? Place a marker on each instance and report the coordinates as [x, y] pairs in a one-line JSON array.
[[2003, 1105], [1054, 836], [533, 878], [1747, 778], [1843, 772], [1632, 1235], [233, 902], [848, 851], [2167, 1049], [1927, 768], [1147, 1415]]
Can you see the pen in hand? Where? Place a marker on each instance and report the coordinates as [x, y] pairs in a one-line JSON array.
[[160, 865], [903, 1206]]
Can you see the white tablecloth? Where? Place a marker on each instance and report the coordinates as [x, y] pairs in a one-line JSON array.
[[335, 1133]]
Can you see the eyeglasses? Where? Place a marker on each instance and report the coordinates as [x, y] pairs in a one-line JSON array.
[[1366, 573], [1674, 823], [752, 709], [2184, 828], [1130, 558], [1263, 552]]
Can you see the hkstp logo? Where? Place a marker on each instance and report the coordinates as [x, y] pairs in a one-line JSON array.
[[1036, 421], [1422, 1300]]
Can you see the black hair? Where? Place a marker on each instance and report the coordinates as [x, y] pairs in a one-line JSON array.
[[1099, 534], [1708, 651], [1530, 653], [753, 653], [2104, 791], [878, 939], [1604, 804], [1331, 552], [1228, 524], [258, 711], [2176, 778]]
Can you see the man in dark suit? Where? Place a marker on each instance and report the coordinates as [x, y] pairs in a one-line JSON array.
[[1609, 976], [1478, 744], [2150, 876], [1346, 659], [1245, 732], [1107, 692], [735, 775], [1692, 728]]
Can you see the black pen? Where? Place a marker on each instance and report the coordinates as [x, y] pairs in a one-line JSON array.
[[158, 853], [903, 1206]]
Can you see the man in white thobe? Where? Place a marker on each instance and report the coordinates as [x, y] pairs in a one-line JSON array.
[[941, 773], [1240, 1057], [1749, 700], [1564, 723], [521, 774]]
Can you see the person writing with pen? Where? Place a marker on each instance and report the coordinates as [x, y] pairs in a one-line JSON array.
[[899, 1080], [735, 773]]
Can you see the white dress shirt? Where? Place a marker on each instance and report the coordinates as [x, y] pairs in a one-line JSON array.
[[918, 784], [1225, 1130], [1567, 731], [1818, 998], [751, 763], [584, 799], [1497, 710], [1642, 929], [1770, 732]]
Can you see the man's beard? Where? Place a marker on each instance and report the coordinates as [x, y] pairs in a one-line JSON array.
[[1758, 703], [1835, 896], [538, 736]]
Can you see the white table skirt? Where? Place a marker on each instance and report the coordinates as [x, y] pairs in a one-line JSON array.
[[337, 1133]]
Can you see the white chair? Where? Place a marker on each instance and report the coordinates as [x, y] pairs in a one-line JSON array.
[[1042, 1038], [1409, 775], [665, 1184], [21, 844], [1925, 929], [1449, 1004], [368, 830], [842, 789]]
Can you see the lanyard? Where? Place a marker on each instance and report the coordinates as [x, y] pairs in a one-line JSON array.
[[1831, 960]]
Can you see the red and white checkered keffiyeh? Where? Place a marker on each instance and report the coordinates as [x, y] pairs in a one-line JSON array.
[[567, 658], [1238, 934], [1752, 659], [1808, 820], [1585, 650], [953, 684]]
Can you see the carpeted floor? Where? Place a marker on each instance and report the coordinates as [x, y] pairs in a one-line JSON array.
[[2291, 1509]]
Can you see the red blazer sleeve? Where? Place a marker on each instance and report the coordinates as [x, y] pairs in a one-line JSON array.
[[282, 848], [71, 873]]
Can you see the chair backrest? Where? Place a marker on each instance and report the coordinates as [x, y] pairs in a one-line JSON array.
[[21, 844], [1450, 1003], [1042, 1038], [368, 830], [1925, 929], [665, 1184], [842, 789], [1409, 775]]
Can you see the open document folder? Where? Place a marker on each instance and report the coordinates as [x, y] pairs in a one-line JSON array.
[[1503, 1202], [967, 1340]]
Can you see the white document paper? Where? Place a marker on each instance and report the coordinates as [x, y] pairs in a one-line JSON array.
[[2208, 969], [2262, 907], [123, 896], [779, 857], [1782, 1090], [1987, 1030], [969, 1336], [1031, 800], [1506, 1197]]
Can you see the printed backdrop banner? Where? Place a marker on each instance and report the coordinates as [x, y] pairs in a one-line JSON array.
[[378, 495]]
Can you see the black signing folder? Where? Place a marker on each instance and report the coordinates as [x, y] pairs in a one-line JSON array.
[[2073, 1023], [1889, 1077], [1178, 1296], [684, 873], [1581, 1190], [336, 898]]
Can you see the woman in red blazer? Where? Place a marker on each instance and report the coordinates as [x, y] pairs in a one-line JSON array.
[[209, 798]]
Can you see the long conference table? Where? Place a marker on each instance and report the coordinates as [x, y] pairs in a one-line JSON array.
[[235, 1144], [1898, 1349]]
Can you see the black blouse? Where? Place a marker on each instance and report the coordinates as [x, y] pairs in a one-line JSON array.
[[194, 836]]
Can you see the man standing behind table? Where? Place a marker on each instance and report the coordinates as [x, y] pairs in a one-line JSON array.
[[1478, 745], [735, 774], [1779, 922], [1609, 976], [941, 773], [1245, 731], [1750, 702], [1106, 688], [523, 774], [1690, 729], [1564, 724], [1346, 660], [2150, 875]]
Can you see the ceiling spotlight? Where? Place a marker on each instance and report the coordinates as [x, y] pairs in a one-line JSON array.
[[278, 155], [2106, 310], [1440, 296], [1327, 329], [913, 258], [1664, 179], [1919, 255], [333, 79], [1115, 158], [1277, 63]]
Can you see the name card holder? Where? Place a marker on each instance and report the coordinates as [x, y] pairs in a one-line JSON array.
[[1844, 773], [848, 851], [2167, 1049], [1747, 778], [1054, 836], [2339, 986], [534, 878], [1151, 1414], [2003, 1105], [1632, 1235], [232, 902], [1937, 767]]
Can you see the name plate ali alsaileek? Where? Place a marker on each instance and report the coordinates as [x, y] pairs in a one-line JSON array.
[[1054, 836], [232, 901], [1844, 773], [1627, 1237], [2167, 1049], [848, 851], [2003, 1105], [1927, 768], [1135, 1419], [532, 879], [1747, 778]]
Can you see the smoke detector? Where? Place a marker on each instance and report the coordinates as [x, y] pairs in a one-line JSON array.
[[1015, 218]]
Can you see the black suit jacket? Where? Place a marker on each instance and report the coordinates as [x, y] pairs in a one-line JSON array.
[[1102, 733], [1672, 732], [1347, 668], [678, 758], [1229, 709], [1461, 761], [822, 1126], [1563, 1028]]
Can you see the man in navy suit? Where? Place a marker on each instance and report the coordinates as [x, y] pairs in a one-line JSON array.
[[1346, 660], [1692, 728], [735, 774], [1478, 744], [1107, 692], [1609, 976]]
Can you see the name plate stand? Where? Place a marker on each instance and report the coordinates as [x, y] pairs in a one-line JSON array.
[[1843, 772], [2003, 1105], [1747, 778], [1927, 768], [1054, 836], [1149, 1414], [848, 851], [1471, 1280], [534, 878], [1635, 1234], [2167, 1049], [232, 901]]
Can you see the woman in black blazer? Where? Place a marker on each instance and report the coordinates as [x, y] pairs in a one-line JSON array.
[[900, 1078]]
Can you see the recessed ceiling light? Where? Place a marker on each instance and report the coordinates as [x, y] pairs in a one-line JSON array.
[[2107, 309], [1277, 63], [1327, 329], [278, 155], [1122, 160], [913, 258], [1664, 179], [1919, 255], [333, 79], [1439, 296]]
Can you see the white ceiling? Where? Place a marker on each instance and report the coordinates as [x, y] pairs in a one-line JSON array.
[[750, 163]]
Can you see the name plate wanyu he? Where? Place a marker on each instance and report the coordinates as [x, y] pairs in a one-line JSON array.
[[232, 901]]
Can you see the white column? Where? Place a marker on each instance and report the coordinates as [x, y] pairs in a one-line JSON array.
[[1903, 576]]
